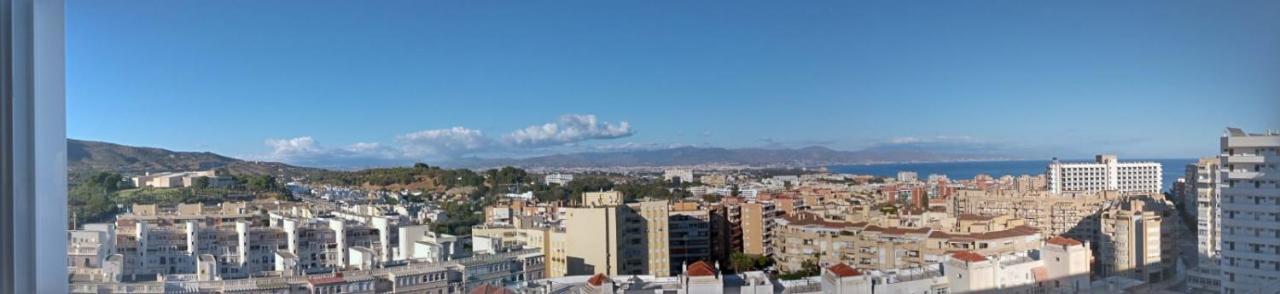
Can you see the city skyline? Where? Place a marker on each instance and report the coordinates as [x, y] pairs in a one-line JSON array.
[[436, 81]]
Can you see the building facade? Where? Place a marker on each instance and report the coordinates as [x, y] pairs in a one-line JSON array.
[[1106, 173], [1250, 211]]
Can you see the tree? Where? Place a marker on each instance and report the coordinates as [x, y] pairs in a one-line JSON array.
[[742, 262], [587, 184], [200, 182], [808, 268], [262, 183]]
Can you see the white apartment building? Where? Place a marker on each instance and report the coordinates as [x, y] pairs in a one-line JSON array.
[[1249, 190], [1202, 190], [907, 176], [558, 178], [678, 175], [1106, 173], [1060, 265], [181, 179]]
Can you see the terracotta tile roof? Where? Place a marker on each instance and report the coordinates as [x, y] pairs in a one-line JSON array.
[[1063, 241], [491, 289], [700, 269], [842, 270], [326, 280], [969, 256], [597, 280]]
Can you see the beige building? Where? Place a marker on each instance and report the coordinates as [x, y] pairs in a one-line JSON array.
[[1130, 243], [609, 237], [757, 221], [805, 237], [1071, 214]]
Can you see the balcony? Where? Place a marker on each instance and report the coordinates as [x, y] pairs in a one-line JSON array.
[[1244, 175], [1246, 158]]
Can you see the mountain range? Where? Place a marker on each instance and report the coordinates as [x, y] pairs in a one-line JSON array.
[[85, 157], [90, 156], [755, 157]]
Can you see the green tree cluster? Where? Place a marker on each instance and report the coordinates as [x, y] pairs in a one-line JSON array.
[[808, 268], [741, 262]]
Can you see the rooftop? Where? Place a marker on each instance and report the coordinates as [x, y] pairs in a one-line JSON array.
[[700, 269], [1064, 241], [969, 256], [842, 270]]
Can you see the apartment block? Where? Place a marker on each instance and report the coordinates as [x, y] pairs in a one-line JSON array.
[[463, 275], [757, 220], [627, 238], [690, 235], [1059, 265], [1073, 215], [804, 237], [1250, 211], [1106, 173], [1130, 244], [1201, 191]]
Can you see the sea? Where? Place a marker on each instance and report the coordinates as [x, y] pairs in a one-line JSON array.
[[1172, 168]]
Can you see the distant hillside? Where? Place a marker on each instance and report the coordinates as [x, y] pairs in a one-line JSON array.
[[809, 156], [89, 156]]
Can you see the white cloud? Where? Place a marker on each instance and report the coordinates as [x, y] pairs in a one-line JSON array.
[[452, 143], [933, 139], [569, 128], [285, 148], [442, 142], [306, 151]]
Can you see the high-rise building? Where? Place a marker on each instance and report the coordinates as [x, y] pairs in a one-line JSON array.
[[1105, 174], [690, 235], [1130, 244], [757, 227], [620, 239], [1249, 189], [1201, 190]]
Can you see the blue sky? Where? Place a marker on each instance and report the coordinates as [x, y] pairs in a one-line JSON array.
[[343, 82]]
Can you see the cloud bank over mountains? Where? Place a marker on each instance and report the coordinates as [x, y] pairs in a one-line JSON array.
[[581, 133], [446, 143]]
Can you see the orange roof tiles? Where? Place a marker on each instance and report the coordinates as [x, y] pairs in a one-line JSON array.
[[969, 256], [597, 280], [700, 269], [842, 270], [1063, 241], [327, 280]]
